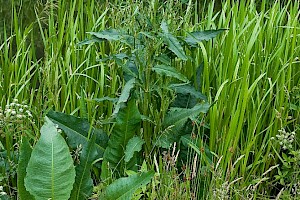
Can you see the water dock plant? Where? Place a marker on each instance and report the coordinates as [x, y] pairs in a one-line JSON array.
[[141, 93]]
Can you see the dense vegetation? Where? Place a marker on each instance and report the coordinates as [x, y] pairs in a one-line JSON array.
[[178, 99]]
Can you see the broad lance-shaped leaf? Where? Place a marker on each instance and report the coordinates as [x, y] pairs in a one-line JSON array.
[[110, 35], [169, 71], [113, 35], [134, 145], [172, 42], [194, 38], [175, 121], [77, 130], [188, 89], [176, 115], [83, 186], [50, 171], [25, 153], [124, 188], [124, 95], [127, 123], [90, 41]]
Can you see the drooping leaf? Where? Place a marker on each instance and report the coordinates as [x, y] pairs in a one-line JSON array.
[[25, 153], [127, 123], [172, 42], [77, 130], [124, 188], [188, 89], [50, 171], [169, 71], [83, 186], [134, 145], [124, 95], [195, 37]]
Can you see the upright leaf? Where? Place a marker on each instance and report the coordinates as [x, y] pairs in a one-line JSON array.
[[127, 123], [124, 188], [50, 171], [172, 42], [83, 186], [25, 153], [77, 130], [195, 37], [124, 95], [134, 145]]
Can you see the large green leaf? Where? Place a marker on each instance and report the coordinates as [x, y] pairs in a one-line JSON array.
[[110, 35], [90, 41], [188, 89], [169, 71], [175, 122], [172, 134], [113, 35], [83, 186], [127, 123], [77, 130], [184, 101], [50, 171], [134, 145], [176, 115], [172, 42], [25, 153], [123, 188], [194, 38], [124, 95]]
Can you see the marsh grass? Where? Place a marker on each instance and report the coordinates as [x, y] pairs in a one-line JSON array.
[[250, 74]]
